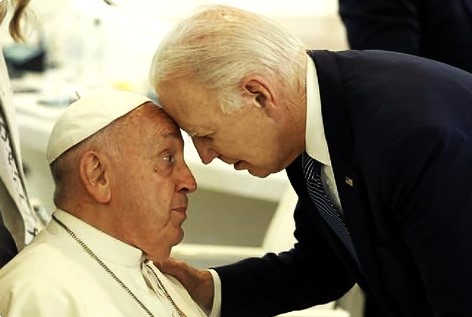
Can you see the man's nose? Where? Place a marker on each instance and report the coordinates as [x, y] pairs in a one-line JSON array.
[[204, 150], [188, 183]]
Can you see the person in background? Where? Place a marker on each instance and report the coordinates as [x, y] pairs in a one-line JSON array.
[[376, 144], [121, 196], [435, 29], [19, 222]]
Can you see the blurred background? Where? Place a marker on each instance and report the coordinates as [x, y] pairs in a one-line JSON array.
[[96, 42], [75, 46]]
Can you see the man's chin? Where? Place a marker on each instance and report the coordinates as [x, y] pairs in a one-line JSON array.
[[241, 166], [260, 174]]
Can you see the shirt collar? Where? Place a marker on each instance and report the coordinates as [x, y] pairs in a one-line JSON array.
[[104, 246], [315, 140]]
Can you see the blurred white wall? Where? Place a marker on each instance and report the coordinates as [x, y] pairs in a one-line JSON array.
[[118, 49]]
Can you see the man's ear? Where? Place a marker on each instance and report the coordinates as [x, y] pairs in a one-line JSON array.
[[259, 89], [95, 177]]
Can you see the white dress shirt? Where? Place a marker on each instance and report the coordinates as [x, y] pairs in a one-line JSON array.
[[315, 139], [316, 147]]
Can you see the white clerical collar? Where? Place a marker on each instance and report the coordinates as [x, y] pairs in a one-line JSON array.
[[106, 247], [315, 140]]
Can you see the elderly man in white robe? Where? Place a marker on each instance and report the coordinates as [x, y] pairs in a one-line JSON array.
[[121, 196]]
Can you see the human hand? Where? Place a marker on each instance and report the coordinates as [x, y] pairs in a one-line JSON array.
[[199, 283]]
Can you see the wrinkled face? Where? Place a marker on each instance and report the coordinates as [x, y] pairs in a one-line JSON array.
[[151, 182], [248, 138]]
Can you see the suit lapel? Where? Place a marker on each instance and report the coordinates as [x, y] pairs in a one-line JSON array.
[[349, 184]]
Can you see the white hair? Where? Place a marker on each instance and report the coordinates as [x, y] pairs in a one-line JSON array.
[[219, 45]]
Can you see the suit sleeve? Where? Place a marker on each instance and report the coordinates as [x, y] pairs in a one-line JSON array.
[[428, 179], [308, 274], [382, 24]]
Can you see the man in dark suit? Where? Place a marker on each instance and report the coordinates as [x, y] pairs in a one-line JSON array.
[[436, 29], [377, 145]]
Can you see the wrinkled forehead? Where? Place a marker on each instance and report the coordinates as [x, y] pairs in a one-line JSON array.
[[191, 122], [161, 119], [185, 96], [148, 118]]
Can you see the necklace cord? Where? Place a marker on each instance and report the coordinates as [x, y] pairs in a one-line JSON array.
[[113, 275]]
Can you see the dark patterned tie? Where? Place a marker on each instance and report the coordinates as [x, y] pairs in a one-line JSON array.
[[312, 170]]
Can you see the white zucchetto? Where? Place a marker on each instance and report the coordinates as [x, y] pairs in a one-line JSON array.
[[88, 115]]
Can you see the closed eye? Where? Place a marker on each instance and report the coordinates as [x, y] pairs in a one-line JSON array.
[[200, 134], [208, 136]]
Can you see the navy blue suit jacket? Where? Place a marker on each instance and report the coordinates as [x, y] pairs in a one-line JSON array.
[[436, 29], [399, 132]]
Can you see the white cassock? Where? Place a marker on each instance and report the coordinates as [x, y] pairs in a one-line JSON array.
[[55, 276]]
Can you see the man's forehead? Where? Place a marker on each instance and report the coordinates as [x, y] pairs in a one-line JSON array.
[[166, 130], [195, 131], [192, 114], [154, 119]]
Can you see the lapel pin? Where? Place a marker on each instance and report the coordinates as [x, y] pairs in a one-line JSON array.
[[349, 181]]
